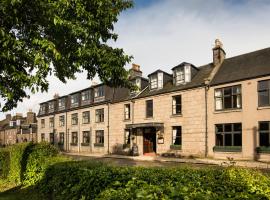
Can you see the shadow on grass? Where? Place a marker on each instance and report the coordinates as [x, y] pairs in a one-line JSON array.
[[18, 193]]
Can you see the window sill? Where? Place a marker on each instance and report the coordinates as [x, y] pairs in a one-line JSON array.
[[100, 122], [227, 111], [98, 145], [176, 115], [263, 150], [175, 147], [227, 149], [148, 118], [73, 144], [85, 144], [126, 120], [85, 123], [263, 107]]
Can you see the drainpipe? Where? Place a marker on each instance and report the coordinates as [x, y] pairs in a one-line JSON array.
[[66, 133], [206, 88], [108, 104], [79, 134]]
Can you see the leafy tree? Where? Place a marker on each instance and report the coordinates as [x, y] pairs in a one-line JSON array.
[[60, 37]]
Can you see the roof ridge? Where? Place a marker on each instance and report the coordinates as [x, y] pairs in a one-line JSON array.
[[248, 53]]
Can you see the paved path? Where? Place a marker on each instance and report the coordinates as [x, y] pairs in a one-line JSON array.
[[149, 161]]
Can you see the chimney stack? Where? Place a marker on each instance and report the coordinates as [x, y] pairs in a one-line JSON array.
[[218, 53], [30, 117], [135, 71], [8, 117], [56, 96]]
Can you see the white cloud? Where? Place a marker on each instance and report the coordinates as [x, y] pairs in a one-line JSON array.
[[172, 31]]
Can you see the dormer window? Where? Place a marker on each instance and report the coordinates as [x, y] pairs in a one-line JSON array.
[[179, 75], [51, 106], [74, 100], [156, 81], [85, 97], [99, 94], [99, 91], [61, 104], [42, 109], [182, 73]]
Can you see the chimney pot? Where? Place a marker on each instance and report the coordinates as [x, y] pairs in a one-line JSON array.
[[135, 71], [136, 67]]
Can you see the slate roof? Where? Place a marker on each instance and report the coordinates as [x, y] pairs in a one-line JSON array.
[[246, 66]]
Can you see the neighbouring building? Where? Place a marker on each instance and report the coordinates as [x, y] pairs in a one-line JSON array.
[[18, 129], [217, 110]]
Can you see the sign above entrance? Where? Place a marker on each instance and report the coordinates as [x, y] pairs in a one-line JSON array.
[[144, 125]]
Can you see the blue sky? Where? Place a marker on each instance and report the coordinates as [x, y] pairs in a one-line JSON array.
[[164, 33]]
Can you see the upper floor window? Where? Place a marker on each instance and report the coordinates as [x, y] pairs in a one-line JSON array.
[[127, 112], [99, 91], [86, 97], [100, 115], [228, 98], [74, 100], [149, 108], [176, 105], [51, 122], [62, 120], [86, 117], [42, 123], [61, 104], [74, 119], [229, 134], [264, 93], [264, 133]]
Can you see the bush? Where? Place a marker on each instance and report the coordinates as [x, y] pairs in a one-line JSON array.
[[18, 159], [88, 180], [40, 157], [4, 163]]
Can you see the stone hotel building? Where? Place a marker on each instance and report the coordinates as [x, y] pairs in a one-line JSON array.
[[218, 110]]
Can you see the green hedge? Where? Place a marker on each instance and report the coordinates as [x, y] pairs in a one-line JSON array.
[[88, 180], [27, 162], [4, 163]]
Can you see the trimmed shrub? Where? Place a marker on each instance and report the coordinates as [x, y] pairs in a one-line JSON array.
[[40, 156], [88, 180], [4, 162], [18, 159]]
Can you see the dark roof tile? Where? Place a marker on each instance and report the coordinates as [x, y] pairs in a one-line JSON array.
[[242, 67]]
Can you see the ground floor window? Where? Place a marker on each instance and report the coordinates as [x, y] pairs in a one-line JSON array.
[[100, 137], [229, 134], [52, 138], [61, 138], [86, 137], [264, 133], [42, 137], [127, 136], [177, 135], [74, 138]]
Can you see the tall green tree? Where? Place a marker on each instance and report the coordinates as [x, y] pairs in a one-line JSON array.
[[57, 37]]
